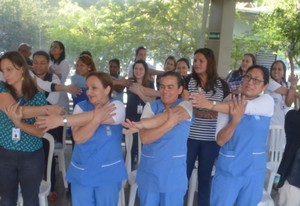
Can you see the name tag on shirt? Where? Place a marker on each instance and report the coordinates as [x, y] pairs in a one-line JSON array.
[[16, 134]]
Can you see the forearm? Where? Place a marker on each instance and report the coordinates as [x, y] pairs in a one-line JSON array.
[[225, 134], [79, 119], [33, 111], [30, 129], [290, 97], [160, 119], [149, 92], [151, 135], [82, 134]]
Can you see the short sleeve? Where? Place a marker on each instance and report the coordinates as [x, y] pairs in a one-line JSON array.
[[147, 112], [188, 107], [119, 116], [222, 121], [263, 105], [273, 85]]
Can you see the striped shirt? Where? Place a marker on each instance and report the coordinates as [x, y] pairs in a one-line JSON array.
[[204, 127]]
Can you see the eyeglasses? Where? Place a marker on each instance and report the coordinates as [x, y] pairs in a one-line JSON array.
[[248, 78]]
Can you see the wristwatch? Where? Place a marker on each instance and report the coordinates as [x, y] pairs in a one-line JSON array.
[[65, 120]]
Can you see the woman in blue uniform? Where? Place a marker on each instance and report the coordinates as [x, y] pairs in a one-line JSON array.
[[164, 128], [97, 168], [241, 165]]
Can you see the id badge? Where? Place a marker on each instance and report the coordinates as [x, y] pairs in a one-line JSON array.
[[139, 109], [16, 134]]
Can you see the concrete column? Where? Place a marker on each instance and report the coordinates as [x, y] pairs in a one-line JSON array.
[[220, 31]]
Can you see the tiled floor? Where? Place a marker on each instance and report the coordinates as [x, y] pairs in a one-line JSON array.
[[64, 197]]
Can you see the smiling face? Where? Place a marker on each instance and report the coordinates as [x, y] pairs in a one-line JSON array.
[[200, 64], [253, 83], [40, 65], [139, 71], [96, 93], [12, 74], [169, 90], [182, 68], [277, 72]]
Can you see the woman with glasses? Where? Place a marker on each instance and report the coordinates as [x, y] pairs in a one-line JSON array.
[[242, 133]]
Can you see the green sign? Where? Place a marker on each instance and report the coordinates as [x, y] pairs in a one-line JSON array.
[[214, 35]]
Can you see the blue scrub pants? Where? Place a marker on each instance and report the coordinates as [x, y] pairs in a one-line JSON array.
[[175, 198], [107, 194], [242, 190]]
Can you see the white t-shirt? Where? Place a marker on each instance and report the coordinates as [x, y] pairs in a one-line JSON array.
[[263, 106], [280, 108]]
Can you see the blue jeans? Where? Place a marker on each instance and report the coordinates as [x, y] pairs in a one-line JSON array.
[[206, 152], [24, 168]]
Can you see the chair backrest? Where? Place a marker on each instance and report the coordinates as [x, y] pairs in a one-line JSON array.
[[50, 139], [276, 143], [128, 146]]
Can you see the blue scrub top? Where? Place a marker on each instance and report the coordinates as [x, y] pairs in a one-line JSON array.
[[99, 160], [163, 162], [245, 152]]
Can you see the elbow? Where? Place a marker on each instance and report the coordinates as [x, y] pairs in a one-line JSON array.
[[78, 139], [219, 142]]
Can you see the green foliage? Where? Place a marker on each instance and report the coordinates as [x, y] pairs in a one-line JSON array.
[[280, 30], [109, 28]]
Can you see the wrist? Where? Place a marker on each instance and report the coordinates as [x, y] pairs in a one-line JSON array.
[[214, 103], [65, 120], [53, 87], [292, 87]]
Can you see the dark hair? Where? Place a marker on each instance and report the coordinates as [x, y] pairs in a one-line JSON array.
[[138, 50], [180, 81], [87, 60], [284, 68], [145, 82], [41, 53], [104, 78], [171, 58], [184, 60], [62, 55], [85, 52], [265, 71], [239, 72], [29, 88], [211, 70], [115, 60]]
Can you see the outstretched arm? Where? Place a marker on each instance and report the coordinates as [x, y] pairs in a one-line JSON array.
[[29, 111], [174, 117], [83, 133], [52, 121]]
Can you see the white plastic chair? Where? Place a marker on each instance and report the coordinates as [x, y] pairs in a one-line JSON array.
[[128, 163], [276, 143], [45, 185], [59, 151]]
